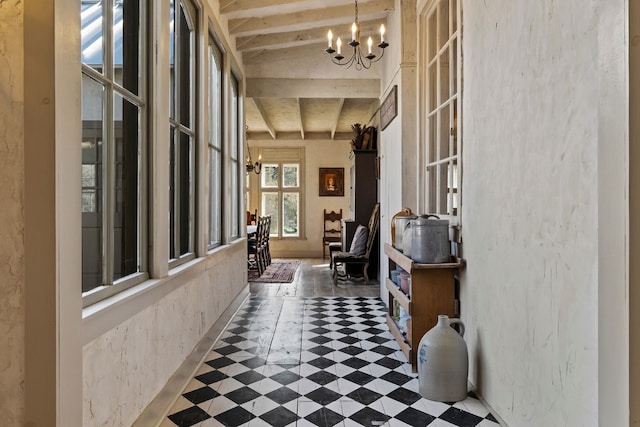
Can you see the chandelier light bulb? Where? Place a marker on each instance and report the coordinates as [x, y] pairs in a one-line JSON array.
[[369, 44], [330, 37], [354, 29], [381, 33], [339, 44]]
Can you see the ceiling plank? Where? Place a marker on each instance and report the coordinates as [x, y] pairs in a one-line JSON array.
[[312, 35], [300, 117], [263, 114], [337, 118], [240, 5], [303, 18], [290, 136], [312, 88]]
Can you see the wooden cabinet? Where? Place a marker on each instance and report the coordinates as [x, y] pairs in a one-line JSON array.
[[432, 292], [363, 195]]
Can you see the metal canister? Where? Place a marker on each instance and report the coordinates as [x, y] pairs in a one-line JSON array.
[[430, 240], [401, 223]]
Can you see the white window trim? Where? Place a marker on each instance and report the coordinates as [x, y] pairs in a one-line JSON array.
[[281, 156], [425, 8]]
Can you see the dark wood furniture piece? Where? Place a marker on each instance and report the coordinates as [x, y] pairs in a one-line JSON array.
[[331, 232], [356, 265], [363, 195], [432, 292]]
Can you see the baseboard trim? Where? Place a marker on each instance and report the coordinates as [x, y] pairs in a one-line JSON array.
[[484, 402], [155, 413]]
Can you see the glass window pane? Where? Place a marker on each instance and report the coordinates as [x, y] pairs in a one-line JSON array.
[[126, 43], [269, 176], [432, 41], [454, 15], [91, 34], [291, 175], [185, 195], [433, 86], [173, 214], [445, 130], [443, 172], [215, 96], [128, 195], [443, 61], [92, 156], [290, 214], [185, 72], [270, 207], [443, 21], [215, 193], [172, 60]]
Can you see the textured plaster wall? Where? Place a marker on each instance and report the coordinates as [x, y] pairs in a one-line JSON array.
[[318, 154], [12, 316], [125, 368], [530, 210]]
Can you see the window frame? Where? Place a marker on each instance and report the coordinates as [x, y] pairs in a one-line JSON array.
[[236, 142], [436, 131], [107, 78], [282, 157], [177, 228], [215, 144]]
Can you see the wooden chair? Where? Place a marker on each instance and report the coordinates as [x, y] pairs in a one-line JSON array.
[[252, 218], [254, 248], [330, 230], [348, 259]]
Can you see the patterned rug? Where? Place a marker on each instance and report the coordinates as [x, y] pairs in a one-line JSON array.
[[280, 271]]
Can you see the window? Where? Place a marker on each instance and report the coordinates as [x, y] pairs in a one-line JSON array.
[[215, 144], [113, 145], [281, 191], [440, 105], [234, 150], [182, 110]]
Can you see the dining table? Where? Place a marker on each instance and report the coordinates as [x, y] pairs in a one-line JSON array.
[[251, 230]]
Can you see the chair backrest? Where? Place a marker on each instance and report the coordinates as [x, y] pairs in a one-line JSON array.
[[331, 223], [373, 228]]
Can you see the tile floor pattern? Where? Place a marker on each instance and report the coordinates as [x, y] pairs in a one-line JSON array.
[[321, 361]]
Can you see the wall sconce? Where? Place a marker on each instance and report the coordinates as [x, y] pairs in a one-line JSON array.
[[254, 167]]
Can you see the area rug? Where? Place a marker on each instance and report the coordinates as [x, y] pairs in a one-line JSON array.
[[280, 271]]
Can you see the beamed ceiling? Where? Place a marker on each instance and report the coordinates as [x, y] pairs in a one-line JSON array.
[[293, 91]]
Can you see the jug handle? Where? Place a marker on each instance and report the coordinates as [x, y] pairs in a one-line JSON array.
[[406, 211], [460, 325]]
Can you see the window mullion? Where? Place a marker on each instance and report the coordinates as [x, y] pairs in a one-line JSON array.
[[108, 187]]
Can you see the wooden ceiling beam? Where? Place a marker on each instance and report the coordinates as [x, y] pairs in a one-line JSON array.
[[300, 19], [299, 113], [337, 118], [265, 119], [311, 35], [290, 136], [312, 88]]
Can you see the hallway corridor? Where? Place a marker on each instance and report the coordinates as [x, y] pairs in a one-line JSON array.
[[309, 354]]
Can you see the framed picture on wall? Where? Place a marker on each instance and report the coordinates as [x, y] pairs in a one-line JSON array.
[[331, 182], [389, 108]]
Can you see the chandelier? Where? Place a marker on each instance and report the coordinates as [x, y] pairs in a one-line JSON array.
[[356, 58]]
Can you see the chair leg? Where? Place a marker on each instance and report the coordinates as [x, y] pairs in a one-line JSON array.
[[335, 274], [366, 273]]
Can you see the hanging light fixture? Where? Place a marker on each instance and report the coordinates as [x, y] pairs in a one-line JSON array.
[[356, 58], [250, 166]]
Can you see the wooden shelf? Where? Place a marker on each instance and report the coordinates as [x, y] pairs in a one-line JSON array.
[[409, 265], [431, 294]]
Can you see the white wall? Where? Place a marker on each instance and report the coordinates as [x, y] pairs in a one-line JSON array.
[[12, 315], [124, 367], [318, 154], [533, 98]]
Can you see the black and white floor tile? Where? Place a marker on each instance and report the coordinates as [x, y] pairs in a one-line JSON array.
[[324, 361]]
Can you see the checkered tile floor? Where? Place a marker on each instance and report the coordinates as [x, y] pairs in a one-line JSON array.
[[325, 361]]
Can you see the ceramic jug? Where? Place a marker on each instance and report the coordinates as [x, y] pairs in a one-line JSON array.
[[443, 362]]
